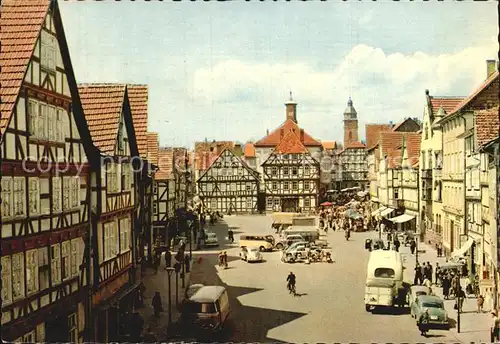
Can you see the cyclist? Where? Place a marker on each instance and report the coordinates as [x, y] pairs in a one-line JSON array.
[[291, 282]]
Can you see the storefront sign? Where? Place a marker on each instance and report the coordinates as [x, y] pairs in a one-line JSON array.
[[110, 289]]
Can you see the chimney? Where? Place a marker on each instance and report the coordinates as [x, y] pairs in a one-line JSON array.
[[282, 133], [491, 67], [302, 135]]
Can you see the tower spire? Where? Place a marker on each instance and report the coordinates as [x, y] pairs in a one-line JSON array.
[[291, 98]]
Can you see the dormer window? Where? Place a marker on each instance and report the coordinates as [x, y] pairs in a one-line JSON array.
[[48, 45], [120, 136]]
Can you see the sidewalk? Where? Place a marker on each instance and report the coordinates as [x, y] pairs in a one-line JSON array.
[[159, 282], [474, 327]]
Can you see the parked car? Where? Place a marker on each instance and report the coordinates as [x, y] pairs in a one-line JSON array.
[[250, 254], [211, 239], [289, 240], [294, 254], [415, 292], [438, 318]]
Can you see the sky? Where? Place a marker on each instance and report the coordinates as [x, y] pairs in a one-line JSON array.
[[223, 70]]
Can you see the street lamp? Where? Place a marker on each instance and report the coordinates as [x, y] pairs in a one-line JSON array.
[[170, 271], [177, 268], [458, 300]]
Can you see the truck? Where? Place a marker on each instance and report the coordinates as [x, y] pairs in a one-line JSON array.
[[384, 280], [300, 233], [282, 220]]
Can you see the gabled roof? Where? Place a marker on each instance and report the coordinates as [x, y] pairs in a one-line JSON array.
[[373, 131], [329, 145], [390, 141], [274, 137], [412, 141], [165, 164], [249, 150], [400, 124], [20, 23], [447, 103], [241, 161], [354, 144], [290, 144], [138, 98], [205, 152], [493, 77], [152, 147], [102, 106], [487, 125]]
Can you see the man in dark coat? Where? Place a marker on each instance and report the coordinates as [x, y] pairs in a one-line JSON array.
[[418, 275], [168, 259], [413, 246]]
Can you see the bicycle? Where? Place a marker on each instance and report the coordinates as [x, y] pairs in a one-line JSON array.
[[291, 288]]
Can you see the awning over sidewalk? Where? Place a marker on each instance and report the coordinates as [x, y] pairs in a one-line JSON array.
[[386, 212], [402, 218], [462, 250], [375, 212]]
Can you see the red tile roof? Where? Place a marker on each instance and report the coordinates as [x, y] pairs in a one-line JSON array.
[[447, 103], [413, 147], [165, 164], [354, 144], [205, 151], [180, 156], [393, 158], [152, 147], [493, 77], [138, 98], [102, 106], [373, 131], [487, 125], [20, 23], [290, 144], [389, 143], [249, 151], [274, 137], [329, 145]]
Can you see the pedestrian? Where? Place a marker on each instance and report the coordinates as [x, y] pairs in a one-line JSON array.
[[418, 274], [440, 250], [460, 299], [413, 246], [494, 327], [425, 271], [156, 263], [437, 273], [423, 323], [396, 244], [168, 259], [429, 271], [157, 304], [480, 303], [445, 281], [187, 261], [230, 235], [144, 267]]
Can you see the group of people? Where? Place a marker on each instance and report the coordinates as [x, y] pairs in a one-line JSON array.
[[223, 259]]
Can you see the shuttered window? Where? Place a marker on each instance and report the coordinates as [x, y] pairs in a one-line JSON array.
[[55, 262], [34, 195], [66, 260], [6, 280], [48, 45], [51, 119], [31, 271], [56, 194], [33, 117], [7, 208], [43, 267], [17, 276], [19, 196], [124, 234], [42, 122], [110, 240], [75, 192], [59, 137], [76, 257], [66, 195]]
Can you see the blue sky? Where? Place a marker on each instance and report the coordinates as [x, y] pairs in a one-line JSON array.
[[224, 70]]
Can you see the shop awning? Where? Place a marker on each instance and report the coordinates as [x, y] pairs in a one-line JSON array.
[[402, 218], [462, 250], [386, 212], [375, 212]]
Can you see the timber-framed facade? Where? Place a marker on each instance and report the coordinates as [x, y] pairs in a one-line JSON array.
[[229, 185], [46, 151]]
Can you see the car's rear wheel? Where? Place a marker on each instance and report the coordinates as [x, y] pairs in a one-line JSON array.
[[279, 246], [368, 308], [262, 249]]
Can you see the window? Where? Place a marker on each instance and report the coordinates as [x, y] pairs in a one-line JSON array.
[[19, 196], [295, 185], [112, 182], [17, 276], [269, 202], [34, 197], [75, 258], [248, 186], [213, 204], [66, 193], [66, 260], [276, 201], [33, 114], [43, 268], [48, 58], [6, 197], [51, 122], [120, 136], [285, 171], [307, 170], [110, 240], [286, 186], [274, 185], [6, 280], [31, 271], [55, 262], [307, 202], [58, 126], [75, 192], [124, 234], [384, 273], [127, 177], [249, 203], [274, 171], [73, 328], [29, 337], [294, 171], [56, 194], [396, 193], [42, 122]]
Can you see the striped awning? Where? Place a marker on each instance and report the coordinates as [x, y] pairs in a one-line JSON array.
[[376, 212]]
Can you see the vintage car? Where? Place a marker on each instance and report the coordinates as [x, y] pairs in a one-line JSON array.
[[416, 291], [250, 254], [438, 317], [211, 239]]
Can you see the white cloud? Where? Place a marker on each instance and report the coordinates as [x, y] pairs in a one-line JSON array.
[[383, 87]]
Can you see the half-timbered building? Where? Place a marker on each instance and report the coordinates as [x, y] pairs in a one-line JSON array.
[[152, 157], [164, 203], [229, 185], [107, 111], [44, 162], [291, 176]]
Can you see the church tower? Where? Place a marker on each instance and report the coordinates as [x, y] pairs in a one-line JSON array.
[[350, 124]]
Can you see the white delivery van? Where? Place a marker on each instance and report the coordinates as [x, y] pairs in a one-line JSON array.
[[384, 279]]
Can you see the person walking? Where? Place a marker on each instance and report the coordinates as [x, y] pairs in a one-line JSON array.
[[494, 327], [460, 298], [429, 271], [437, 273], [423, 323], [168, 259], [446, 283], [418, 275], [230, 235], [413, 246], [480, 303], [157, 304], [396, 244]]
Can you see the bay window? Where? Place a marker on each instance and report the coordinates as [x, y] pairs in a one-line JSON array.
[[17, 276]]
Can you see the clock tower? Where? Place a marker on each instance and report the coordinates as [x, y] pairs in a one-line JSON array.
[[350, 124], [291, 109]]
